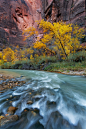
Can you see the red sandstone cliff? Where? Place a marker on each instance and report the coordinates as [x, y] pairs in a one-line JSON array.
[[17, 15]]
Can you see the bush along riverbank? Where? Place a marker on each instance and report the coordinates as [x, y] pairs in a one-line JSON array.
[[74, 64]]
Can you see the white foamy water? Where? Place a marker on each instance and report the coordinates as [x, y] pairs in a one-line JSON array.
[[80, 100]]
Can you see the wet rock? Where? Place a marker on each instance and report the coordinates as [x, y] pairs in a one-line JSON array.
[[24, 112], [11, 110], [29, 102], [33, 113], [10, 82], [8, 119], [59, 121], [36, 110], [1, 92], [0, 76], [51, 103], [37, 125]]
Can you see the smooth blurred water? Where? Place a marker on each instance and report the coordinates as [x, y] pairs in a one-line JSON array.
[[59, 99]]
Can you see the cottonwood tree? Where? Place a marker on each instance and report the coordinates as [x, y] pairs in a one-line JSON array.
[[64, 38]]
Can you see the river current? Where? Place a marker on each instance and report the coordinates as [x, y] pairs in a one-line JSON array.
[[58, 101]]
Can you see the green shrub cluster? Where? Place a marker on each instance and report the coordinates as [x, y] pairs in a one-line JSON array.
[[36, 63], [77, 57]]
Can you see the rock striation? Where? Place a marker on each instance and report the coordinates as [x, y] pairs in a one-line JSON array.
[[17, 15], [66, 10]]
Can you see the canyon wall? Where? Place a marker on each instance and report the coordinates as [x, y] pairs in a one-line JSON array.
[[73, 11], [17, 15]]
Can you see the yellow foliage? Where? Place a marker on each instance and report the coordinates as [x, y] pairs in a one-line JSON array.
[[20, 54], [31, 57], [0, 55], [64, 38], [29, 32], [67, 50], [1, 117], [8, 55], [36, 55], [28, 51], [39, 45]]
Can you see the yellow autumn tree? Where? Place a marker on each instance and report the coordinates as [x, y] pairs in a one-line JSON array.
[[8, 55], [19, 54], [64, 38], [1, 57]]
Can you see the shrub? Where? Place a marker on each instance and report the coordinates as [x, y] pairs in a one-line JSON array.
[[8, 55], [7, 65], [77, 57]]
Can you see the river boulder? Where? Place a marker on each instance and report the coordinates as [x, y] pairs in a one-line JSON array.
[[8, 119], [11, 110]]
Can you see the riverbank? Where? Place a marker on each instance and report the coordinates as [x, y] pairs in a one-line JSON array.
[[9, 81], [5, 75], [67, 72], [75, 64]]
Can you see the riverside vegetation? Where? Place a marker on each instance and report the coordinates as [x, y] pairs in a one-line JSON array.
[[58, 49]]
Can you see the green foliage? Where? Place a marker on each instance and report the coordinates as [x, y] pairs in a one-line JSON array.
[[52, 67], [6, 65], [45, 59], [77, 57], [41, 62], [17, 64], [66, 66]]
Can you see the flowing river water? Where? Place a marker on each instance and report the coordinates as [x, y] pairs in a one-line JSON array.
[[58, 101]]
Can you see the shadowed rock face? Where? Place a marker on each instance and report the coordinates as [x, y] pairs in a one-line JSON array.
[[17, 15], [66, 10], [70, 11]]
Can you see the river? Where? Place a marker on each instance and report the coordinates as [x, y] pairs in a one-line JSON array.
[[59, 100]]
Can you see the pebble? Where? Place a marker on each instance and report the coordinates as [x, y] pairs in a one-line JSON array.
[[29, 102], [9, 82]]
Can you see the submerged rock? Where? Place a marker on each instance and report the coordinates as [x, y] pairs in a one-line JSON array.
[[7, 82], [59, 121], [36, 110], [8, 119], [29, 102], [11, 110]]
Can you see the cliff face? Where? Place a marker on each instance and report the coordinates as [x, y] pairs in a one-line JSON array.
[[17, 15], [66, 10], [70, 11]]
